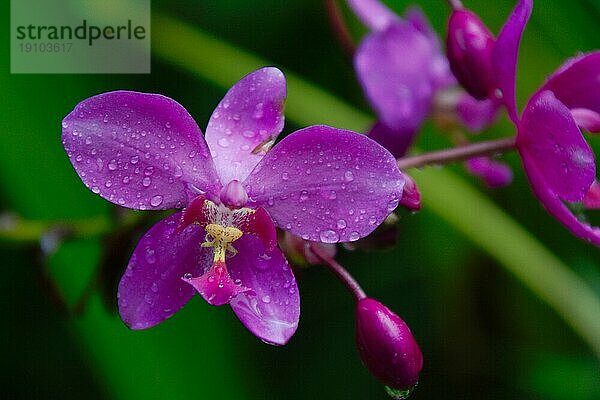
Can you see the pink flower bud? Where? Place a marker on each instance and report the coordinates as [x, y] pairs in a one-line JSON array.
[[469, 46], [386, 346]]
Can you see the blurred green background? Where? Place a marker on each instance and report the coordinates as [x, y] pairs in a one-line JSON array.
[[484, 332]]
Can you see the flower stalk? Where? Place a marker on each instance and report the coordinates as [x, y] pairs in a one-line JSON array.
[[460, 153], [340, 272]]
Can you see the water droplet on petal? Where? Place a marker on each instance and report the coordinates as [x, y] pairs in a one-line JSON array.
[[223, 142], [156, 201], [354, 236], [146, 181], [341, 224], [349, 176], [266, 299], [150, 257], [329, 236]]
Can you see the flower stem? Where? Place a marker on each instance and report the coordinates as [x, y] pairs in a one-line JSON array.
[[458, 153], [339, 27], [455, 4], [340, 272]]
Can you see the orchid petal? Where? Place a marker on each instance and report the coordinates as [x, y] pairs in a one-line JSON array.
[[505, 55], [373, 13], [390, 66], [151, 289], [591, 201], [577, 83], [555, 206], [439, 68], [138, 150], [216, 286], [397, 141], [246, 122], [587, 119], [326, 184], [272, 309], [475, 114], [494, 173], [550, 139]]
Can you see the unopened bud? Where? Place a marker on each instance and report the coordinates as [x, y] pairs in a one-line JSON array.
[[387, 346], [411, 197], [469, 46]]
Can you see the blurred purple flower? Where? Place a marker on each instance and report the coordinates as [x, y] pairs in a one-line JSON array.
[[493, 173], [144, 151], [401, 68]]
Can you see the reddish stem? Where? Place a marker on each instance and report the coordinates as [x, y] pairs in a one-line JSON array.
[[338, 24], [458, 153], [340, 272]]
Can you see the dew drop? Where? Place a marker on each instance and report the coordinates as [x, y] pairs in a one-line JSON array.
[[112, 165], [187, 275], [223, 142], [168, 125], [150, 257], [303, 195], [134, 159], [154, 287], [266, 299], [329, 236], [354, 236], [248, 134], [349, 176], [156, 201], [341, 224]]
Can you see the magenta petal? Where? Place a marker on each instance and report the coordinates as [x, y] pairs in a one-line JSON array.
[[393, 69], [555, 206], [550, 139], [151, 289], [246, 122], [591, 201], [494, 173], [138, 150], [474, 114], [326, 184], [576, 83], [505, 55], [587, 119], [272, 309], [216, 286], [397, 141], [373, 13]]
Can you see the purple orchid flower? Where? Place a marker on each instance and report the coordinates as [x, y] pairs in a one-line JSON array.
[[557, 160], [144, 151], [479, 61], [402, 69]]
